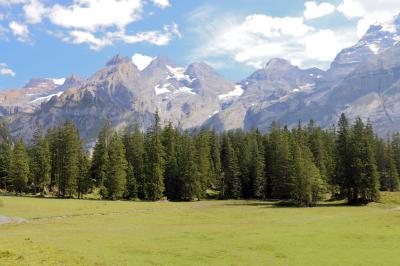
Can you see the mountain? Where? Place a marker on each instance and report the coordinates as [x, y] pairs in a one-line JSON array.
[[33, 94], [123, 94], [363, 80]]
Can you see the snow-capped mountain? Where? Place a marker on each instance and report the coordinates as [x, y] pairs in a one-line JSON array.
[[33, 94], [363, 80]]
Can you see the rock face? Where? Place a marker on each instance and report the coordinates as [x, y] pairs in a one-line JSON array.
[[123, 94], [363, 80]]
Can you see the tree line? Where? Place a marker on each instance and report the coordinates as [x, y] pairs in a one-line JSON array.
[[300, 166]]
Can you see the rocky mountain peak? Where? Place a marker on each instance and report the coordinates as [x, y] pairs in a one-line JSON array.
[[278, 63], [117, 59]]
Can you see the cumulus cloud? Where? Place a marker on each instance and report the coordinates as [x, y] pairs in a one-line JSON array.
[[98, 23], [162, 3], [314, 10], [258, 38], [369, 12], [141, 61], [90, 15], [97, 42], [34, 11], [19, 30], [6, 71]]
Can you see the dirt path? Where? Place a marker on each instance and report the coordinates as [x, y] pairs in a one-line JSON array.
[[10, 220]]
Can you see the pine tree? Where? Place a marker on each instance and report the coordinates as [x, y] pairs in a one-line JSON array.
[[19, 169], [115, 175], [231, 188], [84, 181], [171, 174], [40, 162], [257, 169], [190, 185], [100, 153], [216, 167], [154, 179], [280, 180], [72, 148], [5, 156], [363, 181], [203, 160], [342, 155], [386, 166], [134, 147]]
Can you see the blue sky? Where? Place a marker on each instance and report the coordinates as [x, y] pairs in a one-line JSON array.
[[44, 38]]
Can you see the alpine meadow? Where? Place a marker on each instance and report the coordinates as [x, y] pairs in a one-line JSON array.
[[166, 132]]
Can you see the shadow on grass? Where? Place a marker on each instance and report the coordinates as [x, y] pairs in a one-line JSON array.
[[284, 204]]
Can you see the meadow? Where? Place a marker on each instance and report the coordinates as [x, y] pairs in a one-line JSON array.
[[93, 232]]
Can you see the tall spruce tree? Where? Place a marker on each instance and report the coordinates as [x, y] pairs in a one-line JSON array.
[[115, 175], [170, 138], [154, 179], [190, 185], [231, 185], [363, 181], [19, 168], [5, 156], [280, 180], [100, 154], [134, 146], [40, 162], [203, 160]]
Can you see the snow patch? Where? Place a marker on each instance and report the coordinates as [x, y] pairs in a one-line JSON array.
[[374, 48], [59, 81], [141, 61], [46, 98], [237, 92], [178, 73], [161, 90], [184, 90]]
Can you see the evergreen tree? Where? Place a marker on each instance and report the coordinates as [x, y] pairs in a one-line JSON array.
[[5, 156], [134, 146], [342, 155], [154, 179], [171, 174], [115, 175], [203, 160], [216, 167], [231, 186], [386, 166], [19, 168], [280, 180], [190, 185], [257, 169], [84, 181], [40, 161], [100, 154], [72, 148], [363, 181]]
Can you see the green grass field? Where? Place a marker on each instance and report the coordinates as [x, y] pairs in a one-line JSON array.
[[89, 232]]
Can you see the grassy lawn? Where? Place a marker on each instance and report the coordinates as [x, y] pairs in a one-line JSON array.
[[88, 232]]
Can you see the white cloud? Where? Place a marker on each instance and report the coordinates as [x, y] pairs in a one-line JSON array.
[[34, 11], [11, 2], [19, 30], [314, 10], [141, 61], [6, 71], [369, 12], [81, 37], [91, 15], [258, 38], [162, 3], [159, 38]]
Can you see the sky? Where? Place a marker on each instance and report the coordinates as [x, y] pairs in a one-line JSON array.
[[54, 39]]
